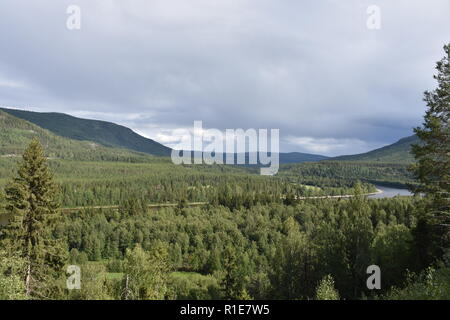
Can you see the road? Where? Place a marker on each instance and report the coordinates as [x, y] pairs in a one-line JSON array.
[[198, 204], [116, 207]]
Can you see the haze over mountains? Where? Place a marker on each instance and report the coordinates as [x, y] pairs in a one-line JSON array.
[[66, 134]]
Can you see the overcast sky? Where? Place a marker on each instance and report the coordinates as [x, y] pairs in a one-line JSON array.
[[312, 69]]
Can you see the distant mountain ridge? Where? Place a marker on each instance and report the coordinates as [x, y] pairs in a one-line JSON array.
[[399, 151], [113, 135], [16, 134], [294, 157], [284, 158], [105, 133]]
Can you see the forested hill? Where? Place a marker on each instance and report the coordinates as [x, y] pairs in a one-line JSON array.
[[108, 134], [112, 135], [396, 152], [105, 133], [295, 157], [16, 134]]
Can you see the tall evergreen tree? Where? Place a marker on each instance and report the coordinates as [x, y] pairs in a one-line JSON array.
[[32, 202], [433, 155]]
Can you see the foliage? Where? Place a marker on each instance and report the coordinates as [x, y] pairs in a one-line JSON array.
[[263, 249], [325, 290], [433, 156], [31, 201], [146, 273], [12, 269], [431, 284], [254, 237], [344, 174], [195, 286]]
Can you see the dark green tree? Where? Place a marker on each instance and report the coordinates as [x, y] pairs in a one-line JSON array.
[[292, 276], [32, 202], [234, 281], [358, 231], [432, 168], [391, 251], [424, 244]]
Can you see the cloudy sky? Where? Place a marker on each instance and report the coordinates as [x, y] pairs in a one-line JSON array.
[[313, 68]]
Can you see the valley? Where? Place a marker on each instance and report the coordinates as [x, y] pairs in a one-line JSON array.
[[211, 159], [219, 231]]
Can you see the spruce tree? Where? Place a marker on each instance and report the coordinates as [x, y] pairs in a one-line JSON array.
[[432, 168], [32, 202]]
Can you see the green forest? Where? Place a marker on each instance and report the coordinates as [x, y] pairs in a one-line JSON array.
[[249, 237], [138, 227]]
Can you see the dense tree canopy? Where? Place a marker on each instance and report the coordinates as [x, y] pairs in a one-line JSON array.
[[433, 156]]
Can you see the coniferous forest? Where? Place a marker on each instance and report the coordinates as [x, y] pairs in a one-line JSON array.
[[84, 220], [150, 230]]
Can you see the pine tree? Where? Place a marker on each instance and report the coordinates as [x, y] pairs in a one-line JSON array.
[[433, 155], [32, 202]]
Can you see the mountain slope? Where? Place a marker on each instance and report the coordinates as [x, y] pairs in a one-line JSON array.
[[284, 158], [113, 135], [296, 157], [102, 132], [396, 152], [16, 134]]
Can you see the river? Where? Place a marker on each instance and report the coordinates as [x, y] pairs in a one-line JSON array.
[[388, 192]]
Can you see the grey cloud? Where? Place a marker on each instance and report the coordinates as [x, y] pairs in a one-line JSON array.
[[310, 68]]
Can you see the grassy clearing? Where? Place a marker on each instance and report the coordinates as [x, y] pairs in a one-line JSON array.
[[114, 275]]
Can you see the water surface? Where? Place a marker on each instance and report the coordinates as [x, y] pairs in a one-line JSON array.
[[388, 192]]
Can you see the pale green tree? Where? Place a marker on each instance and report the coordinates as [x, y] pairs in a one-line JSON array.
[[146, 273], [326, 290]]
